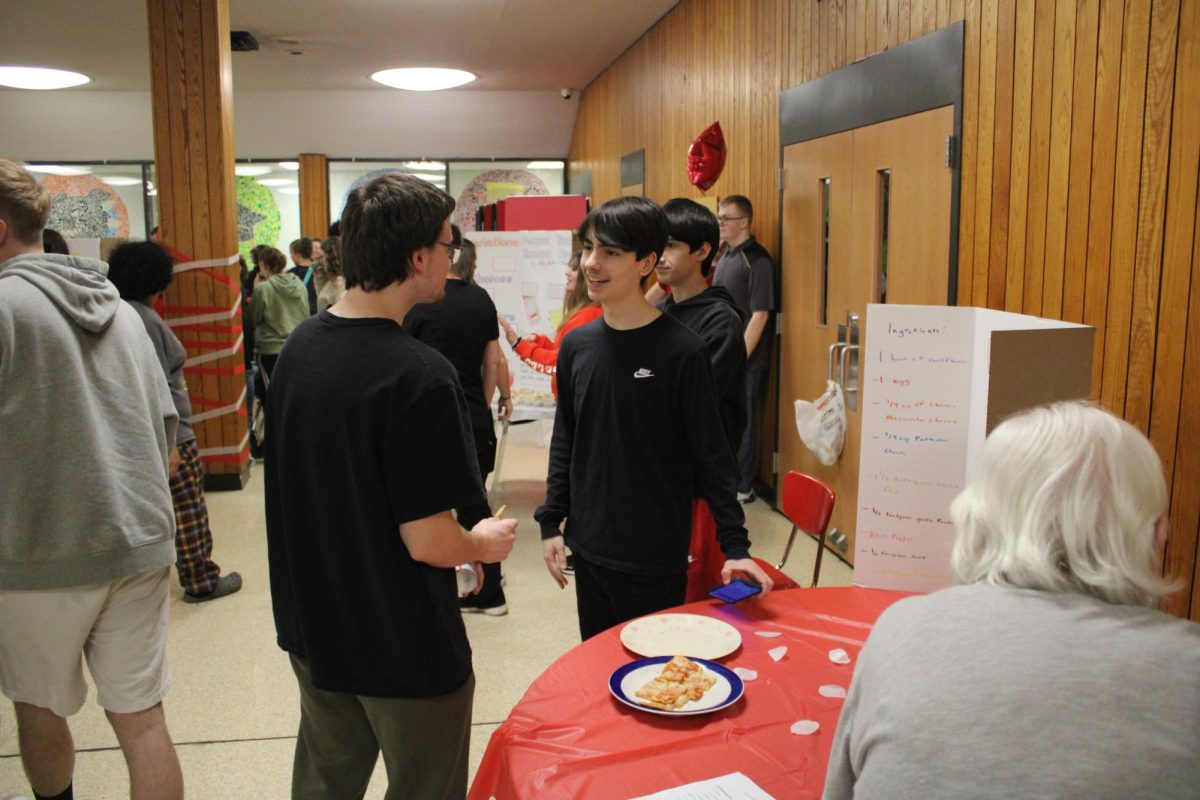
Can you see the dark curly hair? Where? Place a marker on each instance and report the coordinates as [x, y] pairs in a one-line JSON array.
[[140, 270]]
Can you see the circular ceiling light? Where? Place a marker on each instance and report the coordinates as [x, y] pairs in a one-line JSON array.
[[423, 79], [291, 166], [40, 78]]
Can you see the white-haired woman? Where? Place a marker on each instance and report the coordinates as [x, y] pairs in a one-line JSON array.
[[1045, 673]]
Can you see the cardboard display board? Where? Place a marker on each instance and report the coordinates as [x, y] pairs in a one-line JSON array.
[[935, 380], [525, 274]]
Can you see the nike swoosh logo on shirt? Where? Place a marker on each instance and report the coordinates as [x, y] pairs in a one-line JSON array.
[[643, 373]]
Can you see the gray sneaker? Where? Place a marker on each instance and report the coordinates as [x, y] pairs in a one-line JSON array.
[[226, 584]]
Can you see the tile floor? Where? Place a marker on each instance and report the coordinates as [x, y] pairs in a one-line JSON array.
[[233, 710]]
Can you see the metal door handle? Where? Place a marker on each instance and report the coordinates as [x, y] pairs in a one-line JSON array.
[[846, 350], [833, 355]]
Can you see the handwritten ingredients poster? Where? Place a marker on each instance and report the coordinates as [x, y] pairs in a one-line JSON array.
[[525, 274], [917, 378], [934, 379]]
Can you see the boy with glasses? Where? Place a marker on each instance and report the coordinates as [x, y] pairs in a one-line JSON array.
[[369, 447], [748, 274], [636, 436]]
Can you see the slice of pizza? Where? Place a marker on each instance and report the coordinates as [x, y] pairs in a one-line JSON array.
[[680, 682]]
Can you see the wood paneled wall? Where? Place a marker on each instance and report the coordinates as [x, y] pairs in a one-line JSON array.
[[1081, 145]]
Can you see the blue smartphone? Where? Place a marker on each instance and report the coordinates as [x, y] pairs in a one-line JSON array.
[[737, 589]]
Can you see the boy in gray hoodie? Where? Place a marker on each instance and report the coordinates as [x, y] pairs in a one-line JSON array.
[[86, 527]]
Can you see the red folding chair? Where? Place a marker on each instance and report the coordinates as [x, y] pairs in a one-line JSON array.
[[808, 504]]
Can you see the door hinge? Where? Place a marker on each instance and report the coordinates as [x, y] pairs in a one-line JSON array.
[[779, 187], [775, 462], [779, 323], [951, 152]]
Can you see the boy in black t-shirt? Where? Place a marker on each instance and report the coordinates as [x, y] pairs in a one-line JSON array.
[[637, 432], [369, 447]]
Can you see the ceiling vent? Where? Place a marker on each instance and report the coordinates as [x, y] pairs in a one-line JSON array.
[[242, 41]]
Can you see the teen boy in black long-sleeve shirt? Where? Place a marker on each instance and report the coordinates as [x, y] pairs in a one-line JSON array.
[[637, 432]]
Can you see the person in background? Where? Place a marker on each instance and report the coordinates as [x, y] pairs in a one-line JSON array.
[[748, 274], [142, 271], [330, 284], [250, 274], [462, 327], [499, 372], [53, 242], [278, 305], [86, 424], [539, 352], [711, 314], [369, 447], [634, 388], [1044, 672], [303, 257]]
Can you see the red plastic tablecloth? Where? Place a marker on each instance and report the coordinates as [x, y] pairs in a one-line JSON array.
[[569, 738]]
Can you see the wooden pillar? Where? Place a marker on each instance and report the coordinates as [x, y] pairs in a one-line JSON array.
[[314, 196], [192, 90]]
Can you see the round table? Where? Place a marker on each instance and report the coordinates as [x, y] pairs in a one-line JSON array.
[[569, 738]]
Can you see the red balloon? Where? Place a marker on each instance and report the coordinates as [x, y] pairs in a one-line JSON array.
[[706, 157]]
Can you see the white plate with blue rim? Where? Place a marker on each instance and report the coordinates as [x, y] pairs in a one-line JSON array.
[[626, 680]]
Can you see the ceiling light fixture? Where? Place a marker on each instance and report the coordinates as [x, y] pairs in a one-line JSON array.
[[277, 182], [423, 79], [544, 165], [40, 78], [119, 180], [58, 169], [289, 190], [252, 170], [291, 166]]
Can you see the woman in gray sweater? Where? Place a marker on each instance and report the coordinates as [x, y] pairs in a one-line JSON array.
[[1045, 673]]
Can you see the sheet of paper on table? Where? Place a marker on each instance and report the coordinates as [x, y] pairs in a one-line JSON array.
[[734, 786]]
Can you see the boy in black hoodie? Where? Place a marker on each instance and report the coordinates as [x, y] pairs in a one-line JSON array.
[[710, 313]]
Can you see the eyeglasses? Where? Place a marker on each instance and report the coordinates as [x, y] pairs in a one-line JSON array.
[[453, 249], [721, 218]]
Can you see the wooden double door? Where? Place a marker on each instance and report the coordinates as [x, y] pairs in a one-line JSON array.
[[866, 219]]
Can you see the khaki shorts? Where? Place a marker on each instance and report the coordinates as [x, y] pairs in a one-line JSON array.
[[120, 627]]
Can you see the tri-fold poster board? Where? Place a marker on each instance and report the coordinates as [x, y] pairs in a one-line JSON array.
[[525, 273], [936, 380]]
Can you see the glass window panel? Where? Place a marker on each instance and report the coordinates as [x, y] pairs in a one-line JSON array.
[[94, 200], [268, 205], [884, 179], [345, 175], [823, 311], [477, 183]]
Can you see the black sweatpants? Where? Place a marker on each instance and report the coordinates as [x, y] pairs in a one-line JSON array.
[[607, 597]]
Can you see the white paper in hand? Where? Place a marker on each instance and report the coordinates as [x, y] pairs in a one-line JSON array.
[[839, 656], [832, 690], [805, 727]]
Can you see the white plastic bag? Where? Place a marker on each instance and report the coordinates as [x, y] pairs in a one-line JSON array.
[[822, 424]]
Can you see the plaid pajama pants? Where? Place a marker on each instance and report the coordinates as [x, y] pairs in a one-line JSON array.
[[193, 539]]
